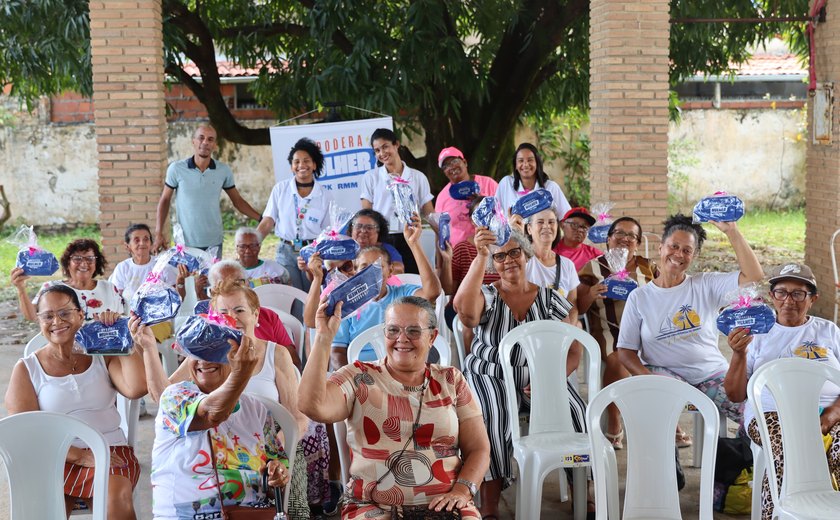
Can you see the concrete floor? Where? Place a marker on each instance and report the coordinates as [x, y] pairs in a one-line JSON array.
[[11, 348]]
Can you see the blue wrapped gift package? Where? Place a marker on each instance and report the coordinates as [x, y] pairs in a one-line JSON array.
[[532, 203], [206, 338], [155, 303], [489, 214], [759, 318], [356, 291], [603, 220], [464, 190], [201, 307], [444, 230], [306, 252], [106, 340], [598, 234], [37, 262], [618, 289], [719, 207], [181, 256], [343, 248]]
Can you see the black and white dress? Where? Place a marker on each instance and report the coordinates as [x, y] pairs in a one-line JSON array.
[[484, 372]]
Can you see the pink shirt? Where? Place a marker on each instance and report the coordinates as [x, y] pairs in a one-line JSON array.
[[580, 255], [460, 224]]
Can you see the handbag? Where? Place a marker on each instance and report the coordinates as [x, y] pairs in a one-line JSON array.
[[255, 512]]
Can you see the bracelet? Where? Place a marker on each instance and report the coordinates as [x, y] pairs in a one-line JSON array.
[[473, 489], [180, 285]]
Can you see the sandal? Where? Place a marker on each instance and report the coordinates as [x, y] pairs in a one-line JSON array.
[[683, 439], [616, 439]]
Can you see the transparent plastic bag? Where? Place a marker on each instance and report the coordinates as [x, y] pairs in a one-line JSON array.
[[488, 213], [155, 301], [205, 336], [532, 203], [96, 338], [720, 207], [34, 260], [442, 222], [355, 292], [196, 260], [619, 284], [603, 221], [332, 244], [748, 310], [404, 204]]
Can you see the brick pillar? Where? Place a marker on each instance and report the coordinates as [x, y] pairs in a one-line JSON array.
[[629, 107], [822, 181], [128, 102]]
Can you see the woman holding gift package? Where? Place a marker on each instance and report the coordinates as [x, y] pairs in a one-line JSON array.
[[671, 321], [310, 202], [81, 262], [492, 311], [793, 290], [454, 165], [419, 448], [529, 175], [214, 442], [369, 228], [59, 378]]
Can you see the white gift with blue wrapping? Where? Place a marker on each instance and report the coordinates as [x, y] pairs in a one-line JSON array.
[[488, 213], [107, 340], [532, 203], [34, 260], [206, 337], [746, 310], [154, 301], [356, 291], [404, 204], [619, 284], [719, 207], [464, 190], [603, 220]]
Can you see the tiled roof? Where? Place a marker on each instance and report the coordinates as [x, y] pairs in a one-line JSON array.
[[772, 65], [227, 69]]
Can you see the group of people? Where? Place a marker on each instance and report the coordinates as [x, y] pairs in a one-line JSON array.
[[422, 435]]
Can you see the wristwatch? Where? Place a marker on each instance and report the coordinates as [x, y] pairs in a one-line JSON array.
[[470, 485]]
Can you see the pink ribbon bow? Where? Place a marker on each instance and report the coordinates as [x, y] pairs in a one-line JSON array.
[[603, 216], [179, 249], [399, 180], [523, 192], [333, 234], [215, 317], [621, 274], [153, 277], [720, 193], [743, 302], [32, 250]]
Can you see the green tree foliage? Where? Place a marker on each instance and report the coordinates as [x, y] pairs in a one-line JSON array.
[[464, 72]]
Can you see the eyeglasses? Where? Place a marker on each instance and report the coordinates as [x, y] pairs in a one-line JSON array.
[[63, 315], [346, 267], [514, 253], [248, 247], [412, 332], [633, 237], [366, 227], [576, 226], [782, 295], [78, 259], [452, 163]]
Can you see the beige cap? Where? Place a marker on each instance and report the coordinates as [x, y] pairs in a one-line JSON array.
[[793, 271]]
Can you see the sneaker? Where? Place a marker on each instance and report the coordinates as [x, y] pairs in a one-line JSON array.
[[331, 506]]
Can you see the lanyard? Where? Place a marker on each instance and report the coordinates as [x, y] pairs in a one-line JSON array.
[[300, 214]]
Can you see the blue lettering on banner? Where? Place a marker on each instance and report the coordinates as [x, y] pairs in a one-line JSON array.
[[347, 163], [345, 185]]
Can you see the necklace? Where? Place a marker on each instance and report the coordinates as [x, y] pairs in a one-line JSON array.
[[75, 360], [305, 184]]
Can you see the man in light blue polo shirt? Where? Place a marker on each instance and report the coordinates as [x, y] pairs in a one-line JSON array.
[[373, 314], [199, 181]]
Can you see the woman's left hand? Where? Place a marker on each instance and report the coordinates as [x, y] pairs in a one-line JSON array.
[[106, 318], [451, 501], [829, 417], [278, 475], [517, 222]]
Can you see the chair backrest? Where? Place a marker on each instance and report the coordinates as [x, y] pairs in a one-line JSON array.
[[795, 385], [832, 247], [279, 296], [376, 337], [129, 409], [458, 332], [340, 430], [428, 242], [33, 447], [545, 344], [650, 407], [291, 435], [294, 327]]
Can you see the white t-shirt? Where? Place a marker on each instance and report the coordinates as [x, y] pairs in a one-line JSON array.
[[103, 297], [508, 196], [272, 271], [375, 189], [817, 340], [183, 483], [675, 328], [128, 276], [539, 274], [284, 204]]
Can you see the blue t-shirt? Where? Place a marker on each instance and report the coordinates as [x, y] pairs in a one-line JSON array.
[[197, 199], [372, 314]]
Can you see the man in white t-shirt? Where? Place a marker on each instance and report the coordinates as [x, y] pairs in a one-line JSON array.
[[259, 271]]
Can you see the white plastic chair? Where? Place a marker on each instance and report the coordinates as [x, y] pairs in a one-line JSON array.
[[168, 355], [795, 384], [340, 430], [759, 462], [428, 242], [460, 347], [279, 296], [291, 435], [650, 407], [129, 409], [376, 337], [551, 442], [187, 304], [33, 446], [647, 238], [832, 247]]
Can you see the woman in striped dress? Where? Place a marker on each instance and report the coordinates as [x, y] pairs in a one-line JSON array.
[[492, 311]]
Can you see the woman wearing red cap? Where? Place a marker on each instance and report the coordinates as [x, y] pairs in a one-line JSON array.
[[454, 166]]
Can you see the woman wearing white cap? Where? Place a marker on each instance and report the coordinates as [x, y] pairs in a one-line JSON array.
[[793, 290]]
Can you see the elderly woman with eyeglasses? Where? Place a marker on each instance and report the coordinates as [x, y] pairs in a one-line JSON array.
[[793, 290], [415, 430], [81, 262], [492, 311], [259, 271]]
